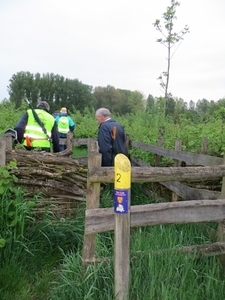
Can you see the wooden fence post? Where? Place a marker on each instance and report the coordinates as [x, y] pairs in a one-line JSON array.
[[221, 227], [92, 199], [2, 151], [69, 141], [204, 145], [176, 164], [127, 144], [158, 157], [122, 182]]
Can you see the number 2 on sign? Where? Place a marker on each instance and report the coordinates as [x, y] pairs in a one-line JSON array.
[[118, 177]]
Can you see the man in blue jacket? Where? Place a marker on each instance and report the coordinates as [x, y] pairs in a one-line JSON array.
[[111, 137], [65, 125]]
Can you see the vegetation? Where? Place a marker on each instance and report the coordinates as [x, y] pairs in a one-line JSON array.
[[44, 260], [41, 258]]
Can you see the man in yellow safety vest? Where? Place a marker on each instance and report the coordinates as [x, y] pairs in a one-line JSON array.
[[32, 135]]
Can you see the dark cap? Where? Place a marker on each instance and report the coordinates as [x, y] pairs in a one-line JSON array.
[[44, 105]]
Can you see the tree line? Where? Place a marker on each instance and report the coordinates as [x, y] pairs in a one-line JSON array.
[[76, 96], [71, 93]]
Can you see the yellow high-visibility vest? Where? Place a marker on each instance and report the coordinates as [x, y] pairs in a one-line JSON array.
[[33, 131]]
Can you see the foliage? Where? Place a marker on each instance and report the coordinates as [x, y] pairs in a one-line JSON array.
[[27, 266], [6, 177], [41, 259], [56, 90]]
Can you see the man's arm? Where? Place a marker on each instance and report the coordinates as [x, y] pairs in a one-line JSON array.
[[20, 127], [72, 124], [55, 138]]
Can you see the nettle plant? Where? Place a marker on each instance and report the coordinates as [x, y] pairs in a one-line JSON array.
[[6, 176], [14, 211]]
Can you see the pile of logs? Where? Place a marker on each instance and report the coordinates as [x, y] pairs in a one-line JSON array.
[[57, 181]]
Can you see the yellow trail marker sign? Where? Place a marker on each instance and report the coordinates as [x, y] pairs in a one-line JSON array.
[[122, 183]]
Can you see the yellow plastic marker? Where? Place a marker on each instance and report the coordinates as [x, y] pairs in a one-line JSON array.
[[122, 172], [122, 182]]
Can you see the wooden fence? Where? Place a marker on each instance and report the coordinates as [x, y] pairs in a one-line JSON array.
[[198, 210]]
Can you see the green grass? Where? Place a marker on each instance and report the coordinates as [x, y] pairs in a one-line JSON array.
[[79, 151], [43, 260]]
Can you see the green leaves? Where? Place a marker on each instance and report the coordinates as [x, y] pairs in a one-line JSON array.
[[6, 176], [2, 243]]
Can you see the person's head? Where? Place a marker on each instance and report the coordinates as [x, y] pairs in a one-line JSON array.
[[44, 105], [63, 110], [102, 114]]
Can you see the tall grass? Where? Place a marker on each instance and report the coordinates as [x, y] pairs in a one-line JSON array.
[[154, 275], [33, 249], [158, 271], [47, 263]]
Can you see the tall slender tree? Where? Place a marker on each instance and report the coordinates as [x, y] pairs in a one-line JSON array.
[[169, 40]]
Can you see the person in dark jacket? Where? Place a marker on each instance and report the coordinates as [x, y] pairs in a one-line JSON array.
[[30, 133], [111, 137]]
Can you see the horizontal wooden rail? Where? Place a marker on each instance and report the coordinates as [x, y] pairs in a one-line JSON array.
[[146, 174], [195, 211], [189, 157], [80, 142]]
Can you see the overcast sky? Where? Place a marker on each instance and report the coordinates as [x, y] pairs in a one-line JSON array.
[[113, 42]]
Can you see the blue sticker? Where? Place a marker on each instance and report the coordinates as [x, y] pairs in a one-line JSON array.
[[121, 201]]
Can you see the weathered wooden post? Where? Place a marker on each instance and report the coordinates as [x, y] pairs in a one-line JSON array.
[[92, 199], [69, 141], [204, 145], [127, 144], [160, 141], [176, 164], [2, 151], [221, 226], [122, 182], [158, 157]]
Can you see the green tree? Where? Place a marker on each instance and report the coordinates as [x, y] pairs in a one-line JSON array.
[[20, 86], [150, 103], [136, 102], [55, 89], [169, 40]]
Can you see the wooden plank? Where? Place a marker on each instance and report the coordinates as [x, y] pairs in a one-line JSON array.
[[175, 196], [92, 201], [193, 158], [195, 211], [201, 250], [182, 190], [189, 193], [146, 174], [81, 142]]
